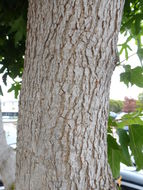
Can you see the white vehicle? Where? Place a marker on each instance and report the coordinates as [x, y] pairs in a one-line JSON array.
[[11, 135], [131, 179]]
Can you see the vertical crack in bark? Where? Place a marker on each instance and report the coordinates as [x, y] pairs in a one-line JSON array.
[[64, 98]]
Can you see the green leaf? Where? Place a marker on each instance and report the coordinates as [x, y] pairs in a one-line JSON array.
[[114, 155], [111, 121], [121, 51], [125, 77], [124, 142], [114, 161], [1, 93], [136, 144], [138, 19], [16, 88], [18, 26], [125, 47], [126, 54], [137, 76], [133, 76], [112, 142], [140, 53], [129, 119], [127, 6], [2, 69]]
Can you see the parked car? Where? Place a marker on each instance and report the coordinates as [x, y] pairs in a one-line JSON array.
[[131, 179], [2, 188], [1, 185], [113, 114], [10, 132]]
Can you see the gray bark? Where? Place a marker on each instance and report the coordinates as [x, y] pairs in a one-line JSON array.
[[7, 159], [62, 128]]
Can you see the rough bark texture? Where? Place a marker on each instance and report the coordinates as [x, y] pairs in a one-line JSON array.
[[70, 53], [7, 159]]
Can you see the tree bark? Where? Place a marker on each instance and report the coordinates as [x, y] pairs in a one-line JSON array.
[[7, 159], [62, 128]]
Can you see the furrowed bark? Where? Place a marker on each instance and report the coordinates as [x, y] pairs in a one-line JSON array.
[[62, 128]]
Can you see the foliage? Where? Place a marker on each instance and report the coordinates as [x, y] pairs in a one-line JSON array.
[[114, 155], [12, 40], [132, 28], [132, 76], [127, 143], [115, 106]]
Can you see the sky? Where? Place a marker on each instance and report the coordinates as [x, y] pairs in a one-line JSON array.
[[118, 89]]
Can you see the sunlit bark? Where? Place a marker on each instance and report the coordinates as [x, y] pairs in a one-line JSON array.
[[62, 128]]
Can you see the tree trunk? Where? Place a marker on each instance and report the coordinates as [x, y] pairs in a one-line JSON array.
[[7, 159], [62, 128]]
